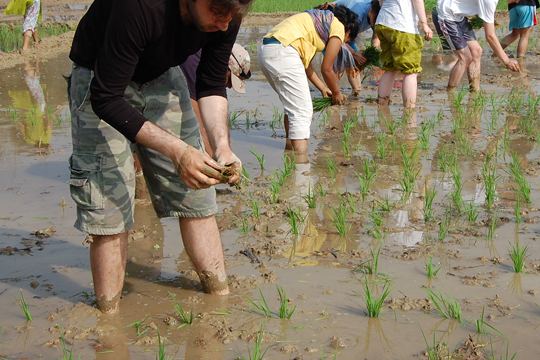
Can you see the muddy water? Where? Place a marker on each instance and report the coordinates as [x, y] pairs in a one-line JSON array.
[[322, 272]]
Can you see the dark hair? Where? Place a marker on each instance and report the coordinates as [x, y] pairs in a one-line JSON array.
[[348, 18], [238, 8], [375, 7]]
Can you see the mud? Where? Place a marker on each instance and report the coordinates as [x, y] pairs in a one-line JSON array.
[[324, 274], [108, 306]]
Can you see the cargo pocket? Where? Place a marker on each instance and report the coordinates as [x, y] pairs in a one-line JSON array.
[[86, 181]]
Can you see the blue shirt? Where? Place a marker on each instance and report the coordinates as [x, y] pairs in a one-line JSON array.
[[361, 8]]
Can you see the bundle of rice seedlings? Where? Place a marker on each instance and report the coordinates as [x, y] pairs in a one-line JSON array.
[[320, 104], [476, 23], [373, 56]]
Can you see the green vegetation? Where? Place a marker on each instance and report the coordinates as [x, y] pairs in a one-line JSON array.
[[374, 304], [11, 38], [187, 319], [24, 306], [273, 6]]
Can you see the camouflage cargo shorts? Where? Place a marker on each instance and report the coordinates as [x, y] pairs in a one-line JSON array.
[[102, 179]]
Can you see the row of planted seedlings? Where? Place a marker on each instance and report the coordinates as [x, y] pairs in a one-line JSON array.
[[448, 162], [457, 207]]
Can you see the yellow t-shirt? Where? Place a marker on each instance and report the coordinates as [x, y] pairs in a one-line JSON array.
[[299, 32]]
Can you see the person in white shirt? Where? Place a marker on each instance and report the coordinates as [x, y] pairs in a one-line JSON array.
[[451, 22], [401, 46]]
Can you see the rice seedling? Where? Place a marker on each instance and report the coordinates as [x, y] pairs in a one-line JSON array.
[[340, 219], [255, 207], [260, 158], [518, 254], [24, 306], [284, 311], [444, 159], [489, 173], [137, 325], [348, 126], [448, 307], [374, 304], [381, 145], [67, 354], [385, 205], [187, 319], [244, 225], [465, 146], [517, 211], [277, 119], [160, 350], [458, 97], [345, 148], [261, 306], [424, 134], [347, 199], [233, 118], [431, 269], [391, 125], [319, 190], [248, 121], [321, 104], [492, 226], [310, 198], [335, 354], [289, 163], [258, 352], [504, 355], [429, 212], [256, 114], [481, 325], [371, 266], [377, 230], [471, 210], [515, 100], [373, 56], [437, 350], [518, 175], [332, 168], [444, 227], [295, 219]]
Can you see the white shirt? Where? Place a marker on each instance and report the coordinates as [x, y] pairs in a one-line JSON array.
[[399, 15], [456, 10]]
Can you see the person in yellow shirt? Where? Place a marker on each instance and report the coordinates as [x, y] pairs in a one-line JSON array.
[[285, 59]]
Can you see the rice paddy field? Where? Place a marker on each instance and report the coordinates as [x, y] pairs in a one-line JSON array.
[[403, 235]]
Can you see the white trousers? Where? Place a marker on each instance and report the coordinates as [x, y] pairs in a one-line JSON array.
[[285, 72]]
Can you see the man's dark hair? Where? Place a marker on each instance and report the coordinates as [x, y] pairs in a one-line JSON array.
[[226, 7], [348, 18]]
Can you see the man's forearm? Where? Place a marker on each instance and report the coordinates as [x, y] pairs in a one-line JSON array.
[[155, 138], [215, 114]]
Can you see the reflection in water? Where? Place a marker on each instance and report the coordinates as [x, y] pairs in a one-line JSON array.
[[516, 284], [35, 126], [374, 328]]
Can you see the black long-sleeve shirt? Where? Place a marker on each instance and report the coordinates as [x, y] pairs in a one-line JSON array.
[[138, 40]]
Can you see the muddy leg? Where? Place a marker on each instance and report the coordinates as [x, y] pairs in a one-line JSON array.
[[26, 39], [523, 41], [356, 83], [386, 84], [464, 59], [202, 242], [409, 90], [108, 254], [473, 71]]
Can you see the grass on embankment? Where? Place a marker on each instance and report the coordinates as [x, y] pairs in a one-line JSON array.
[[11, 37], [272, 6]]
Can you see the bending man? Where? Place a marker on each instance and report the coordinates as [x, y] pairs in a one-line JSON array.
[[125, 72]]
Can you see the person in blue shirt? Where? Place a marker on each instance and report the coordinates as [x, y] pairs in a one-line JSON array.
[[367, 12]]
